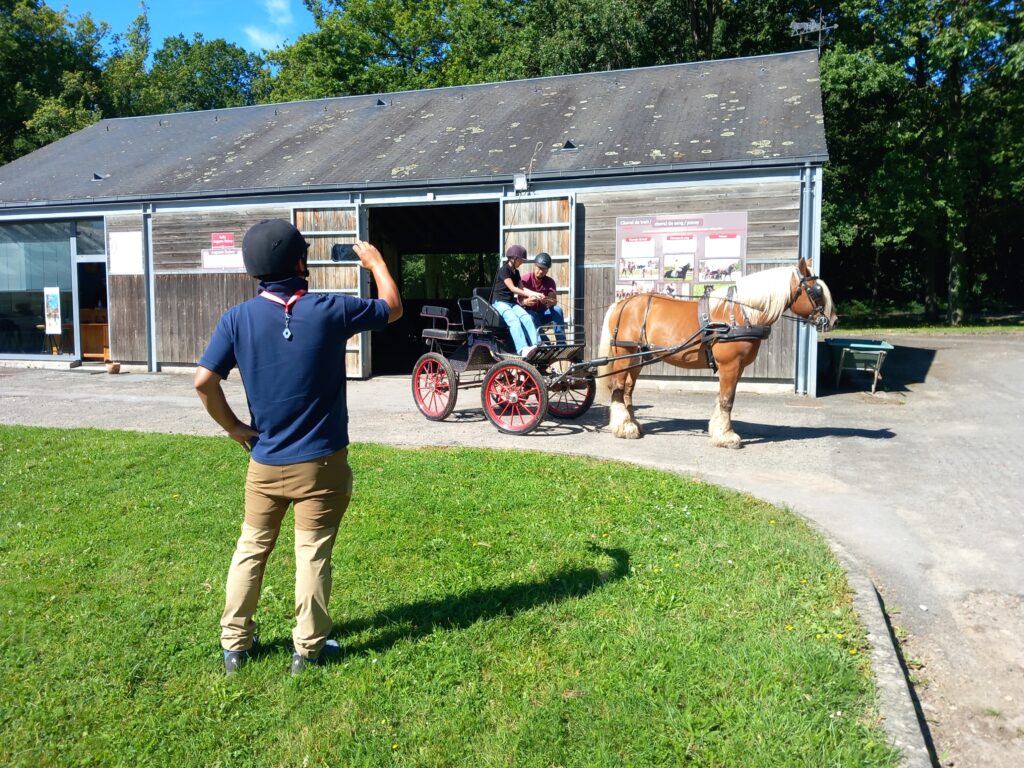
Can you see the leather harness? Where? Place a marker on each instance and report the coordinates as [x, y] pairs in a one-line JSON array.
[[708, 334]]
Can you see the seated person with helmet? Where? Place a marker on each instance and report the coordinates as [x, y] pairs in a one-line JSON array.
[[545, 310], [508, 285]]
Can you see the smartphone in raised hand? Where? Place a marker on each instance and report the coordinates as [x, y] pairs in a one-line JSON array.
[[343, 252]]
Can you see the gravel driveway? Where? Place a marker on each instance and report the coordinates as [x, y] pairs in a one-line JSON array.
[[921, 484]]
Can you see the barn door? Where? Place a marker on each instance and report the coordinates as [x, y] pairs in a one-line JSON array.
[[322, 228], [545, 224]]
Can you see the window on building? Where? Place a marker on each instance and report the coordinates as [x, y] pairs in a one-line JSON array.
[[35, 288], [90, 237]]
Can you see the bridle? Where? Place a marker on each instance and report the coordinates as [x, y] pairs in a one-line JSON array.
[[808, 285]]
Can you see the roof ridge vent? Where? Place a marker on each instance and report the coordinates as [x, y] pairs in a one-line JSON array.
[[381, 102]]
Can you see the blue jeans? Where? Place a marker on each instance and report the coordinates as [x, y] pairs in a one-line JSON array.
[[518, 320], [550, 316]]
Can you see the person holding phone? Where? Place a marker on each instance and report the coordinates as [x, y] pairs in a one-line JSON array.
[[544, 311], [289, 347]]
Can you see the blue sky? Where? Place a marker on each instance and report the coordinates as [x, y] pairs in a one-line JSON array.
[[251, 24]]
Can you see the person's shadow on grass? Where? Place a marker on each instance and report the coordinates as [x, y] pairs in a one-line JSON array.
[[459, 611]]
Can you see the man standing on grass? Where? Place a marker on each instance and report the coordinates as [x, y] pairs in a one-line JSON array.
[[289, 347]]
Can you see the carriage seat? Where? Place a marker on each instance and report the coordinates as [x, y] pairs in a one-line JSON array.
[[485, 316], [442, 328]]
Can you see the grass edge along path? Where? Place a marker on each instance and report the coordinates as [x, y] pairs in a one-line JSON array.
[[494, 608]]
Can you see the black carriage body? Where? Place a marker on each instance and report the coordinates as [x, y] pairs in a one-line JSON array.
[[476, 349]]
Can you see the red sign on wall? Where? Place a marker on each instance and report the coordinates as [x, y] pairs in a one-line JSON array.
[[222, 240]]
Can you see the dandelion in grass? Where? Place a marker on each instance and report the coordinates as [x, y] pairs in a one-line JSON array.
[[789, 627]]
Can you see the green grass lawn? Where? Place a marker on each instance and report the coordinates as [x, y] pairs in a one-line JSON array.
[[494, 609]]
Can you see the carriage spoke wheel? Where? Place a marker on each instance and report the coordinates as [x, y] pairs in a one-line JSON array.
[[572, 396], [435, 386], [514, 397]]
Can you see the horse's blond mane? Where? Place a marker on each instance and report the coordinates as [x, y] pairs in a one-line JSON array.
[[766, 292]]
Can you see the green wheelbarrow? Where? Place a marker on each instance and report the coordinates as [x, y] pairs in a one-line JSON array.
[[859, 355]]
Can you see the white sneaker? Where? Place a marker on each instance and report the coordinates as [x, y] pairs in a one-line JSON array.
[[527, 351]]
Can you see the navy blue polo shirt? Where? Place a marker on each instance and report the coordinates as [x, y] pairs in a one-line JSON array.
[[295, 386]]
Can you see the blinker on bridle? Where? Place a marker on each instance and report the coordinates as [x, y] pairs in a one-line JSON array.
[[816, 295]]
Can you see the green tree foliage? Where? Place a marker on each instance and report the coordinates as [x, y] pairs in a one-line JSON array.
[[49, 66], [919, 103], [125, 73], [61, 78], [196, 74]]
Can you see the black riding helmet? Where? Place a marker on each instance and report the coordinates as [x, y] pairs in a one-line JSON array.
[[271, 248], [543, 259]]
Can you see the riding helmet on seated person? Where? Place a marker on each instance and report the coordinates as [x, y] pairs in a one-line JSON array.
[[272, 248], [515, 252]]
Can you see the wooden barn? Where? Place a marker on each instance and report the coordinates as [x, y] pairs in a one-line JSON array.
[[123, 241]]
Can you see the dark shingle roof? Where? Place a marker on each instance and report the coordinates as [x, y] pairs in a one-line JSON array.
[[738, 112]]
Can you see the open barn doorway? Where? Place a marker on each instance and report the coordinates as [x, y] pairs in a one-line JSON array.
[[437, 254]]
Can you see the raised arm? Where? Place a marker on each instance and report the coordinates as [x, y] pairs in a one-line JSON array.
[[370, 258]]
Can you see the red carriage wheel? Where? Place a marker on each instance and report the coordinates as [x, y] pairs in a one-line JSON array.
[[571, 397], [514, 397], [435, 386]]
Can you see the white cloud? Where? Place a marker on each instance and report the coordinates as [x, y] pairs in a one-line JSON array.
[[262, 38], [280, 19], [280, 12]]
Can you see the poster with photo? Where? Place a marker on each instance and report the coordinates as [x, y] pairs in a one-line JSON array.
[[673, 254], [51, 310], [678, 290]]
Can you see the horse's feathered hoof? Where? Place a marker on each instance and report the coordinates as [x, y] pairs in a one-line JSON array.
[[629, 430], [730, 440]]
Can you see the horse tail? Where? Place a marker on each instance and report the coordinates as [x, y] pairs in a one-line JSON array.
[[604, 349]]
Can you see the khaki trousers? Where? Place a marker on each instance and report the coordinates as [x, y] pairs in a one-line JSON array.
[[320, 491]]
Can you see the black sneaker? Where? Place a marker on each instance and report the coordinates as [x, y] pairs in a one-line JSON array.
[[233, 661], [331, 650]]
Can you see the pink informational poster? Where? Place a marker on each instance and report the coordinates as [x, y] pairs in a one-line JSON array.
[[678, 254]]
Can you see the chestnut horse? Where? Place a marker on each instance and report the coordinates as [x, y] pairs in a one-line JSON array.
[[662, 326]]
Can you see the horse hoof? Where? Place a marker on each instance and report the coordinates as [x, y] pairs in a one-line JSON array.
[[629, 431], [727, 441]]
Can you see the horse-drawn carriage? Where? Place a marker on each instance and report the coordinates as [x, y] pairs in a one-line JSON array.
[[722, 330], [473, 348]]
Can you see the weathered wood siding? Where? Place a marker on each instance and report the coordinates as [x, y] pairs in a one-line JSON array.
[[188, 307], [126, 302], [190, 300], [543, 225], [773, 220], [322, 228], [179, 237]]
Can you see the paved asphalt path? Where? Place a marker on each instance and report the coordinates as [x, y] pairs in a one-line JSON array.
[[918, 487]]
